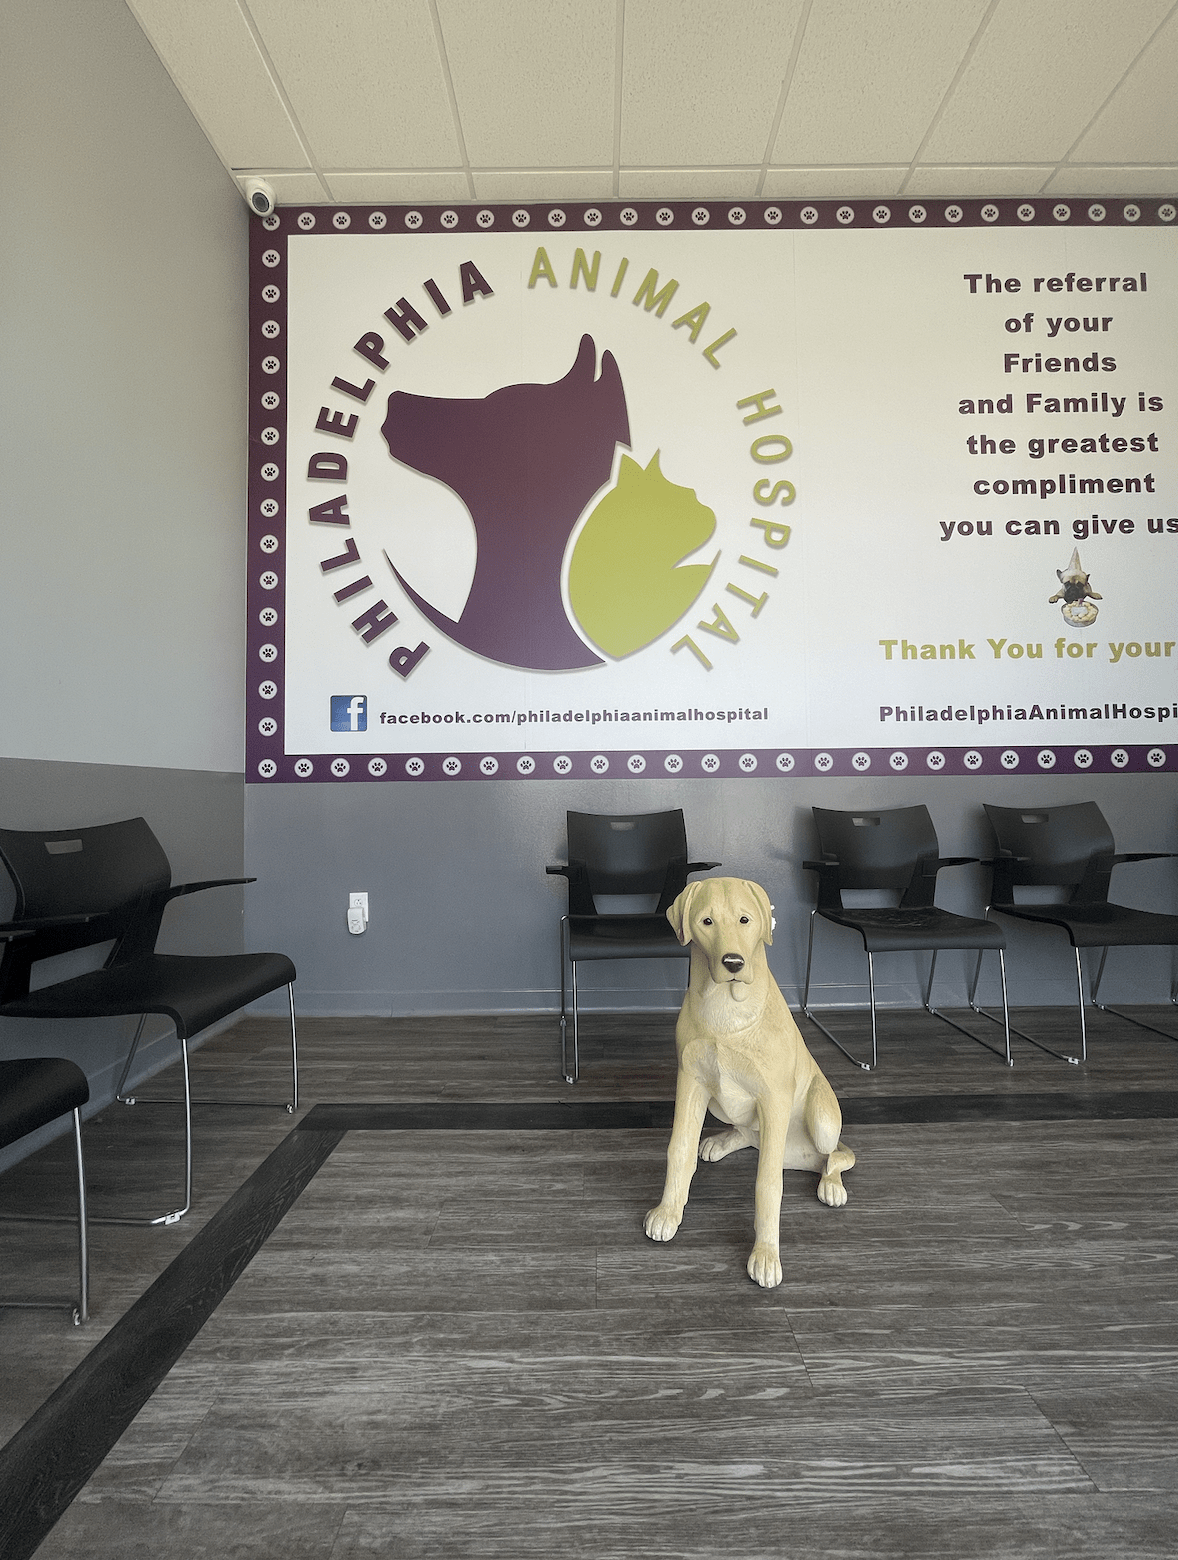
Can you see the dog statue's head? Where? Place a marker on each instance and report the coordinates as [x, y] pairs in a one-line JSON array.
[[728, 920]]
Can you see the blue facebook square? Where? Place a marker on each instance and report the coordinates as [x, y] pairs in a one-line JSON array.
[[349, 712]]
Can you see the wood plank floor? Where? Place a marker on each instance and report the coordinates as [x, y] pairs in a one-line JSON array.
[[458, 1342]]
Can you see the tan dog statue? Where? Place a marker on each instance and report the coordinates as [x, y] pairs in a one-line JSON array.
[[741, 1056]]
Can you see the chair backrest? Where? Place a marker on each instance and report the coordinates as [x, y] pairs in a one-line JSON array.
[[631, 853], [117, 873], [881, 848], [1053, 846]]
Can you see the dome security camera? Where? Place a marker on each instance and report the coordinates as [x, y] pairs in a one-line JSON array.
[[259, 197]]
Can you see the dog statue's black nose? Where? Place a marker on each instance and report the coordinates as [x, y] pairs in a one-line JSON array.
[[732, 962]]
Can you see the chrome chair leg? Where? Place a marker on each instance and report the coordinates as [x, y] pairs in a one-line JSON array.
[[1062, 1056], [817, 1022], [1128, 1017], [176, 1214], [79, 1308], [576, 1033], [960, 1028], [564, 1064]]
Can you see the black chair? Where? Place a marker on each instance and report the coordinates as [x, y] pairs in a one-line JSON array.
[[117, 876], [619, 855], [1072, 848], [895, 850], [33, 1092]]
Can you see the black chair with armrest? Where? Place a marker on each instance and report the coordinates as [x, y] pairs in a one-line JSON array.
[[112, 883], [1071, 848], [895, 850], [619, 855]]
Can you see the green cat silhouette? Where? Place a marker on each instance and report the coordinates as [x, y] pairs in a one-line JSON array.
[[627, 584]]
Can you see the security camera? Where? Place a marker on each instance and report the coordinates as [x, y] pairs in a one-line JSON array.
[[259, 197]]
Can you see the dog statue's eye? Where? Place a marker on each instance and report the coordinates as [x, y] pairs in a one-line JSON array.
[[707, 920], [744, 920]]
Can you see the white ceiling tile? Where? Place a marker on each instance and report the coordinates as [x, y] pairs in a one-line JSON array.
[[397, 189], [688, 183], [543, 184], [869, 78], [1038, 76], [701, 80], [290, 189], [1114, 181], [534, 80], [832, 183], [946, 182], [365, 81], [210, 54], [1139, 125]]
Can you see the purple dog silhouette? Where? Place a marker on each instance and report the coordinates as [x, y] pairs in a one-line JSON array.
[[525, 460]]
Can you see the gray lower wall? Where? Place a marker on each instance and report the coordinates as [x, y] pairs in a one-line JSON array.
[[465, 921], [197, 817]]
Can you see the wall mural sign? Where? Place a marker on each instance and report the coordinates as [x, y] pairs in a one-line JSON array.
[[712, 490]]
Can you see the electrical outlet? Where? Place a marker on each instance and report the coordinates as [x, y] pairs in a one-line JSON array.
[[357, 901], [357, 913]]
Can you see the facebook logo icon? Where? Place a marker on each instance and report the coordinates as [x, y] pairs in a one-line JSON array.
[[349, 712]]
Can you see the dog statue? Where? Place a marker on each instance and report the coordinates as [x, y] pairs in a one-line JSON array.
[[741, 1056]]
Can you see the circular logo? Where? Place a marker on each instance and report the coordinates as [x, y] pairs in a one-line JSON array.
[[268, 507], [415, 766], [271, 329], [271, 258], [861, 762], [808, 215], [271, 400], [701, 216], [592, 217], [306, 220], [1167, 212], [563, 764], [785, 762], [1009, 759], [270, 436], [599, 764], [269, 543], [377, 767], [270, 293], [268, 727], [340, 221], [772, 216], [636, 763], [340, 767], [1082, 758], [304, 768], [1096, 212], [899, 762], [664, 216], [520, 218], [1119, 758], [1132, 213], [556, 217], [485, 218], [268, 653], [268, 581], [1061, 213], [1156, 758], [935, 760], [845, 215], [823, 762], [526, 764], [268, 690], [673, 763], [747, 763], [267, 769], [270, 472], [452, 765], [488, 765], [449, 220], [953, 214], [267, 617], [271, 222], [736, 215], [990, 212], [917, 214], [1026, 212], [271, 365], [377, 221], [973, 759], [414, 220], [881, 214], [1045, 758], [627, 216], [709, 763]]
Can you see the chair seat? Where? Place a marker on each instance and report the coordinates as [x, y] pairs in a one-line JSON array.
[[193, 992], [35, 1091], [1102, 925], [624, 937], [919, 928]]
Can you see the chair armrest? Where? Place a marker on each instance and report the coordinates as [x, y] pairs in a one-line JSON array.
[[1143, 855], [829, 895], [558, 871], [178, 890], [703, 866], [956, 861], [32, 924]]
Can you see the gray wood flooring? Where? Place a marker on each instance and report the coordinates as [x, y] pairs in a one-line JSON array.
[[459, 1343]]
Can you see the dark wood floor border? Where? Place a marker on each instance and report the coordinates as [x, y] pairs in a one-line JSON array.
[[52, 1456], [626, 1115]]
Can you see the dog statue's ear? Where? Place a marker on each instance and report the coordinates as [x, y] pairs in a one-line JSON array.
[[677, 914], [766, 908]]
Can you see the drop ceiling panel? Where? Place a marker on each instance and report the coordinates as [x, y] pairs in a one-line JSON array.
[[364, 79], [1113, 181], [397, 189], [543, 184], [210, 54], [702, 81], [930, 182], [688, 183], [869, 79], [832, 183], [534, 81], [1038, 76], [1139, 124]]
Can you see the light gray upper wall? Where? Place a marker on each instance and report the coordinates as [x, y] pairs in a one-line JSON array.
[[122, 419]]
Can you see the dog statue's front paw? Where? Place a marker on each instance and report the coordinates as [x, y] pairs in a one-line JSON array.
[[662, 1222], [764, 1266], [832, 1192]]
